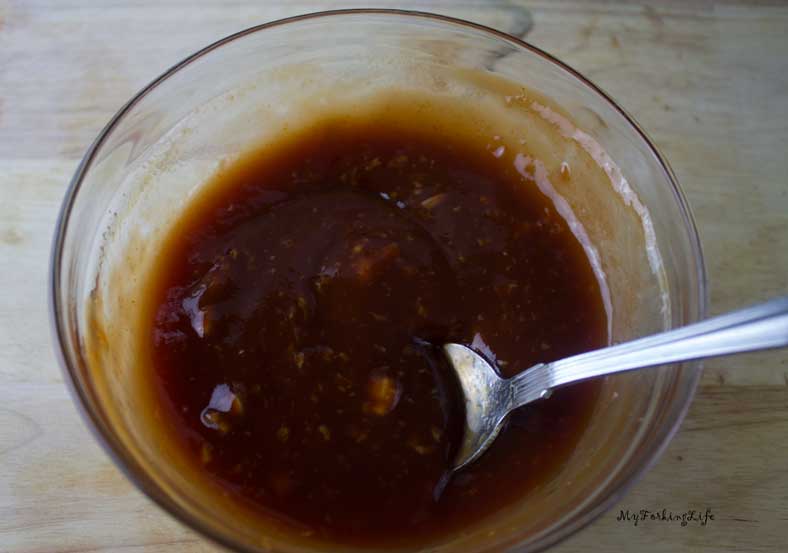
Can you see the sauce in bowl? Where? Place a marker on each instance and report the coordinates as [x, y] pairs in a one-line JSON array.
[[299, 306]]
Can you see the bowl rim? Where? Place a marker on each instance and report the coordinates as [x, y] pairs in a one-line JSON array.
[[119, 453]]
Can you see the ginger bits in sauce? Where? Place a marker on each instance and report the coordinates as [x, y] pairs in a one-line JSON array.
[[300, 306]]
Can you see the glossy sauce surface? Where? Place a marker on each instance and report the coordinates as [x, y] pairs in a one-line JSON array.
[[299, 306]]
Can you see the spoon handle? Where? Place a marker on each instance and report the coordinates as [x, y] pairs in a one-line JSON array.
[[761, 326]]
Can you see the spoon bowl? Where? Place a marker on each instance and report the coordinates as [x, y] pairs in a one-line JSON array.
[[483, 390]]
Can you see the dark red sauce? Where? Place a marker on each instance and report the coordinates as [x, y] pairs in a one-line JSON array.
[[300, 306]]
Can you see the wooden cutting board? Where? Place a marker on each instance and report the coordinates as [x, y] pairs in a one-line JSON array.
[[708, 81]]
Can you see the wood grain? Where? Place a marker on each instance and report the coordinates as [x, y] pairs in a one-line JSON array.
[[707, 80]]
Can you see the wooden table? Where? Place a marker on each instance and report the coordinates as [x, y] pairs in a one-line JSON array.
[[709, 82]]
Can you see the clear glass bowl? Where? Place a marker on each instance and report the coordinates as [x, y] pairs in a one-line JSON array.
[[161, 147]]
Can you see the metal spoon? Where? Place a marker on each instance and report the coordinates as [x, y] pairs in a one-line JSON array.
[[490, 398]]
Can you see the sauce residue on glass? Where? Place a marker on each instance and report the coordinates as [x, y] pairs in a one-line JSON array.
[[300, 306]]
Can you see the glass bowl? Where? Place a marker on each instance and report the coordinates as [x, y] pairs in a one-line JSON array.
[[158, 150]]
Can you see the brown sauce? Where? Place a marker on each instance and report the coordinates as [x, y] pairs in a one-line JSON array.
[[299, 306]]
